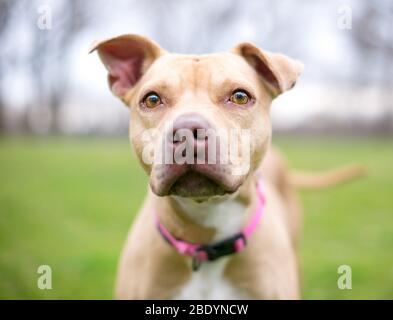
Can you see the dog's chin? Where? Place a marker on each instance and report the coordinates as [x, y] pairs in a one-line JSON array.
[[192, 183], [199, 182], [197, 186]]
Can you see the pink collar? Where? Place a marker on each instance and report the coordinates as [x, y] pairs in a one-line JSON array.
[[210, 252]]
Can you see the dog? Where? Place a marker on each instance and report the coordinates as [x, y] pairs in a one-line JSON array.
[[209, 230]]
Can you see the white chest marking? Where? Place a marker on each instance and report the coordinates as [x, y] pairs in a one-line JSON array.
[[208, 282], [226, 216]]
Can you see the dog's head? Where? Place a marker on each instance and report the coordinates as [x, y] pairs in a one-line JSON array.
[[199, 124]]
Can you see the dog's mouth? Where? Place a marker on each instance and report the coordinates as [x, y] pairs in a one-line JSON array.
[[193, 184], [193, 181]]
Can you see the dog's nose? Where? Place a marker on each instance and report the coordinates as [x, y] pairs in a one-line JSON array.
[[192, 126], [189, 139]]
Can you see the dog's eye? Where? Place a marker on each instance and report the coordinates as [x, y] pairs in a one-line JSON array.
[[152, 100], [239, 97]]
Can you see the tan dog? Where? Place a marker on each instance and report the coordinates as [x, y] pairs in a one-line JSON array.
[[206, 203]]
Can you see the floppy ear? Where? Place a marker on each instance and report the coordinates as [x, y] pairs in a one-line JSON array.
[[277, 70], [126, 58]]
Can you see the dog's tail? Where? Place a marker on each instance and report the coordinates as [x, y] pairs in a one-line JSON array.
[[319, 180]]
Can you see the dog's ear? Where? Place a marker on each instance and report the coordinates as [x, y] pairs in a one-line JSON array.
[[277, 70], [126, 58]]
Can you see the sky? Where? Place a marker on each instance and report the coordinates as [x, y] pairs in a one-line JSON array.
[[306, 30]]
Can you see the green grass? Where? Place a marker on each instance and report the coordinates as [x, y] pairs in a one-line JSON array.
[[68, 203]]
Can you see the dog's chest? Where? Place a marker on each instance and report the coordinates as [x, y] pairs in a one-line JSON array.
[[209, 282]]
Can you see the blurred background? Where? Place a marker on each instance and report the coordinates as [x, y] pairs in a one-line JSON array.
[[70, 185]]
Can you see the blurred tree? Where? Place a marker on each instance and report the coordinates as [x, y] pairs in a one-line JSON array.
[[5, 14], [49, 54], [372, 37], [373, 42]]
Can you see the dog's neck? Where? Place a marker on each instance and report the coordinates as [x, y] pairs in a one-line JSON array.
[[211, 220], [226, 215]]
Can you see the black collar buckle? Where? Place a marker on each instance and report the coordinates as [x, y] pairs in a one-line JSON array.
[[217, 250]]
